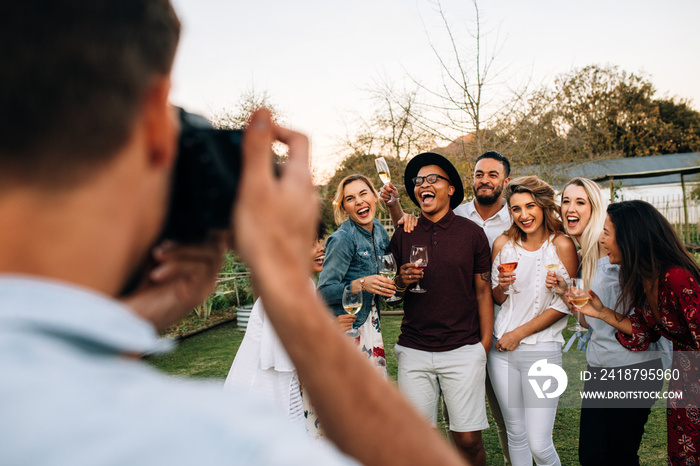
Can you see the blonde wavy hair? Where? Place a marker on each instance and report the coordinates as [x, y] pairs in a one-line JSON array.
[[339, 214], [588, 241], [543, 194]]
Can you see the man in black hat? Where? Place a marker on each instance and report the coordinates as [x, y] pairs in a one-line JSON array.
[[447, 330]]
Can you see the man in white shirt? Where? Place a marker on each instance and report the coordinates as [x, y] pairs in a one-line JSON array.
[[491, 174], [487, 209]]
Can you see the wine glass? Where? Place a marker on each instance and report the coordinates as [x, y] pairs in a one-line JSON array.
[[352, 302], [509, 261], [578, 296], [551, 262], [387, 269], [384, 175], [419, 259]]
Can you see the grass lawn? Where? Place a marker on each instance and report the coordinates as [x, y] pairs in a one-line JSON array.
[[209, 355]]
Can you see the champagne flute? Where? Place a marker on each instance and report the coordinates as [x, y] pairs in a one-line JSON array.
[[352, 302], [384, 175], [578, 296], [509, 262], [551, 262], [387, 269], [419, 259]]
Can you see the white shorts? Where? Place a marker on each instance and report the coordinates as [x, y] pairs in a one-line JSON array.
[[459, 374]]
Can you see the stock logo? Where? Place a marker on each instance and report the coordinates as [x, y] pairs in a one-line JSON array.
[[542, 371]]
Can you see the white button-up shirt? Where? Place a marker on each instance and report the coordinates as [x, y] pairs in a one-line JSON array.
[[493, 227]]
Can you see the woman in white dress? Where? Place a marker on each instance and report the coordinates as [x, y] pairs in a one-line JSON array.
[[529, 326], [261, 364]]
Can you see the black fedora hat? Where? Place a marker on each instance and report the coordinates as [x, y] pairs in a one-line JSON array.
[[431, 158]]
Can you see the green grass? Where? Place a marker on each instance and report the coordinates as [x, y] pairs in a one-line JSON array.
[[209, 355], [206, 355]]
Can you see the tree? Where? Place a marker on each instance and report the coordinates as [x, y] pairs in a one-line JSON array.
[[682, 124], [250, 101], [407, 122], [392, 129], [465, 103], [598, 112]]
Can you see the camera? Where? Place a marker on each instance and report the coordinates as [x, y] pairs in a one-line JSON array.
[[205, 180], [204, 185]]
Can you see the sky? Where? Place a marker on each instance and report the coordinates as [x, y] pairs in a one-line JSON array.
[[318, 58]]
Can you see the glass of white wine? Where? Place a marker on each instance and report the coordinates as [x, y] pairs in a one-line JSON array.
[[551, 262], [578, 296], [352, 302], [387, 269], [384, 174]]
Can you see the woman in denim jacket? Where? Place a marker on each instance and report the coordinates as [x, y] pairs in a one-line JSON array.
[[352, 255]]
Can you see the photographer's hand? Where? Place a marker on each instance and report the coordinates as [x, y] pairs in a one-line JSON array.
[[274, 218], [182, 279]]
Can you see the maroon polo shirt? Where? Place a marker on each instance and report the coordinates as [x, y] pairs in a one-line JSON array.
[[446, 316]]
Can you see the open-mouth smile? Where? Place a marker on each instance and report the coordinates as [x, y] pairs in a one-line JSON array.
[[527, 223]]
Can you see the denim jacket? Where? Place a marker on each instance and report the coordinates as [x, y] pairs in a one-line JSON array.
[[351, 252]]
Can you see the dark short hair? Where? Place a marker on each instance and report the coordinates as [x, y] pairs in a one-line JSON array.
[[492, 154], [74, 74]]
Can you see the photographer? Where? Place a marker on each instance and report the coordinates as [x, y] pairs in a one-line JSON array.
[[88, 146]]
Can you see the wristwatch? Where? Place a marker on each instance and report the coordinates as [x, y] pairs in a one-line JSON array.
[[362, 283]]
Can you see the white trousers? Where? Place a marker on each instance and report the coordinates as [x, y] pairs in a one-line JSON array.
[[529, 420]]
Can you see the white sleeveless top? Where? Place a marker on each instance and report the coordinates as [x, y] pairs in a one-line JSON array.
[[533, 298]]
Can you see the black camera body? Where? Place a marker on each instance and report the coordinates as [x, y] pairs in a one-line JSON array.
[[205, 180], [204, 186]]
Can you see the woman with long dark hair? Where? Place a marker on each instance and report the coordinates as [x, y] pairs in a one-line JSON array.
[[659, 282]]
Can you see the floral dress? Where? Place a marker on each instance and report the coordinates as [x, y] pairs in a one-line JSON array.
[[679, 310], [371, 344]]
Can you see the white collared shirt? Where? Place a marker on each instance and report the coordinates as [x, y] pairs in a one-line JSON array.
[[493, 226]]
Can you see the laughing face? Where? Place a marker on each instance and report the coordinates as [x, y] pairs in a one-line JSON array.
[[434, 199], [489, 181], [527, 215], [608, 241], [360, 203], [318, 253], [575, 210]]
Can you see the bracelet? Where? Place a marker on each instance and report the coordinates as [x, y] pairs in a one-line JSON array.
[[399, 289]]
